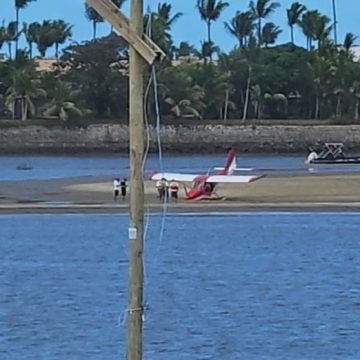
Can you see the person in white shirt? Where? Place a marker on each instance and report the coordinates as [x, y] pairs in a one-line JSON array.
[[116, 188], [311, 157]]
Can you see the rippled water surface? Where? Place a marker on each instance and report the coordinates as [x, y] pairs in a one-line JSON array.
[[232, 286], [52, 167]]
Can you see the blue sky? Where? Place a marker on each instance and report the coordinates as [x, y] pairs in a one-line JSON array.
[[189, 27]]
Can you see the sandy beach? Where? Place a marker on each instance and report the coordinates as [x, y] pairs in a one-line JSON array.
[[90, 194]]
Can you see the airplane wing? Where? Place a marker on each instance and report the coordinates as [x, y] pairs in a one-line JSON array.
[[233, 179], [174, 176], [236, 169]]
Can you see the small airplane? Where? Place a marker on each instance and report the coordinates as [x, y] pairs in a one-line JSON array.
[[203, 186]]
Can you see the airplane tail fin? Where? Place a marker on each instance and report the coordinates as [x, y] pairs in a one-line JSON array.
[[230, 164]]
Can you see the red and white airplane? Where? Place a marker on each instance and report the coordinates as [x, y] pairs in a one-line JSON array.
[[204, 185]]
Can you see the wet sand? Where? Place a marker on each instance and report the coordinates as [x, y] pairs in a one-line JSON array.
[[90, 194]]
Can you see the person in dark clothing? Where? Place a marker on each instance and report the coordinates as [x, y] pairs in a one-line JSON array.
[[123, 187]]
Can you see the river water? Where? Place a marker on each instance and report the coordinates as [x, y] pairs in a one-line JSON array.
[[52, 167], [247, 286]]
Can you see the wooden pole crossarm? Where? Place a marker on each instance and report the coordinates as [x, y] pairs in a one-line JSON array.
[[148, 50]]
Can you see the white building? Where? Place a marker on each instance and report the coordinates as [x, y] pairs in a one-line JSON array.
[[356, 51]]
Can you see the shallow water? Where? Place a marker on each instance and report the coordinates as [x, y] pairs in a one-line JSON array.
[[50, 167], [220, 286]]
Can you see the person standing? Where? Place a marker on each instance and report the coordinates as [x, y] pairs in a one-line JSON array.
[[174, 190], [116, 188], [160, 189], [123, 186]]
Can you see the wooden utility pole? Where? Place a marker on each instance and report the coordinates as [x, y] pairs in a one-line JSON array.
[[142, 49], [136, 228], [335, 22]]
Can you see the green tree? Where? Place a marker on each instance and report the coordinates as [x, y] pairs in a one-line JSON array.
[[270, 33], [315, 27], [179, 94], [262, 9], [9, 36], [322, 29], [210, 10], [322, 70], [159, 25], [185, 50], [63, 102], [93, 16], [207, 50], [19, 4], [100, 69], [355, 91], [293, 14], [61, 32], [31, 34], [241, 26], [225, 66], [45, 38], [349, 42], [23, 86]]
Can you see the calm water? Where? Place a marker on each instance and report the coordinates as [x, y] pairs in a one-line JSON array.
[[233, 286], [46, 167]]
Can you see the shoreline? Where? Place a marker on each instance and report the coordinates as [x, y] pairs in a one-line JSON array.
[[153, 209]]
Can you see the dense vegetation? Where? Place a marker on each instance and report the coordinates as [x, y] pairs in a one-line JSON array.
[[257, 79]]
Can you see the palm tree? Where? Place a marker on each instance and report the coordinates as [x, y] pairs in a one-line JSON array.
[[293, 13], [322, 30], [270, 33], [210, 10], [46, 37], [308, 26], [159, 24], [23, 85], [322, 71], [93, 16], [225, 67], [19, 4], [349, 42], [185, 50], [355, 91], [10, 36], [61, 32], [261, 10], [207, 50], [63, 103], [179, 92], [241, 26], [31, 34]]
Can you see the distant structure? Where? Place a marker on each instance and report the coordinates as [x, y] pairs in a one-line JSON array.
[[356, 52]]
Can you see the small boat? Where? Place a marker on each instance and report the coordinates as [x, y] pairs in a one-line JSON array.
[[332, 153], [24, 166]]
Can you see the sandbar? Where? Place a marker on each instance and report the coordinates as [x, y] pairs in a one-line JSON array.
[[323, 192]]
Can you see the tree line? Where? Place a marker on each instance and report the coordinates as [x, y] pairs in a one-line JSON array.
[[256, 79]]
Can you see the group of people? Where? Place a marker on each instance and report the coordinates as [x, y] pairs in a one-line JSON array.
[[119, 187], [164, 189]]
